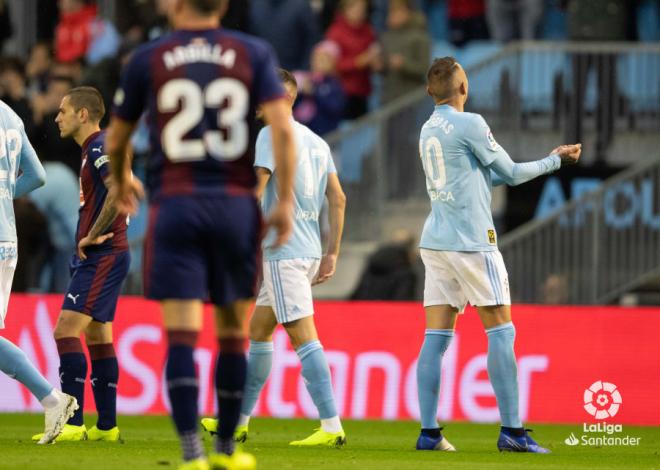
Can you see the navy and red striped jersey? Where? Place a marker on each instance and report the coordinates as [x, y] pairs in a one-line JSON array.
[[200, 90], [94, 169]]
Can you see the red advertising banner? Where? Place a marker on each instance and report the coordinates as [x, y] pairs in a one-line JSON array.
[[372, 348]]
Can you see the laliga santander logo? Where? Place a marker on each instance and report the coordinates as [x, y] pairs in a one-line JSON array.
[[602, 400]]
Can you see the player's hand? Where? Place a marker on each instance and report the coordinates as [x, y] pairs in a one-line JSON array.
[[569, 154], [87, 241], [127, 195], [326, 269], [281, 220]]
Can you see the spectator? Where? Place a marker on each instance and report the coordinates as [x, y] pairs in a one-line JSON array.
[[590, 20], [406, 50], [38, 67], [290, 26], [359, 54], [58, 201], [73, 33], [6, 29], [513, 19], [467, 21], [321, 98], [13, 89], [46, 139], [32, 232], [390, 273], [237, 16]]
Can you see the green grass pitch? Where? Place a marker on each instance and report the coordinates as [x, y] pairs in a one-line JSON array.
[[150, 443]]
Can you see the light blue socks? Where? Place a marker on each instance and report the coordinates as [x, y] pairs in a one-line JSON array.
[[260, 361], [16, 365], [316, 372], [435, 344], [503, 372]]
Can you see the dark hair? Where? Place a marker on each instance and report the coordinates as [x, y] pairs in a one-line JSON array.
[[440, 78], [287, 77], [207, 6], [89, 98], [407, 4], [14, 64]]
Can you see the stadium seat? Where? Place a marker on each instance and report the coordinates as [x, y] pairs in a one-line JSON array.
[[648, 21]]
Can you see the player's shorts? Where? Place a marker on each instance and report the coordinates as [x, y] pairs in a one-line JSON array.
[[203, 247], [458, 277], [287, 288], [8, 259], [96, 284]]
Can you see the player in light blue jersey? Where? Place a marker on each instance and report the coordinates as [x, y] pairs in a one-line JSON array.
[[289, 271], [20, 173], [462, 161]]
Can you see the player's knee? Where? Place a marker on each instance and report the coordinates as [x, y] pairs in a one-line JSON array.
[[260, 332]]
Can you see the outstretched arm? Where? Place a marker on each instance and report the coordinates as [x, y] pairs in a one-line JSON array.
[[507, 171]]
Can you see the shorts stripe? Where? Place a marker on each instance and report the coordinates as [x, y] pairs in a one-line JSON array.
[[279, 296], [498, 278], [279, 284], [492, 279]]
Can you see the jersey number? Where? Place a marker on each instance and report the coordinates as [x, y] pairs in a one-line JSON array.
[[311, 182], [6, 140], [224, 146], [434, 163]]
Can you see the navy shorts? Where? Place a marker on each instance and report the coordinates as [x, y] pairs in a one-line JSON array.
[[96, 284], [203, 247]]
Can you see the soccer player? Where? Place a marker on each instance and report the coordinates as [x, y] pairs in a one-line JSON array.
[[462, 160], [201, 86], [288, 274], [17, 155], [98, 270]]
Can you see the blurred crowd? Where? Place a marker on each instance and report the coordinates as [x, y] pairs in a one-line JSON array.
[[338, 50]]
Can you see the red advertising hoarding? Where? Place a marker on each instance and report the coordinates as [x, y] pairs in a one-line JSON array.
[[372, 348]]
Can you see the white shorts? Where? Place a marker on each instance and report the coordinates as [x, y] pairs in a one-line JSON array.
[[458, 277], [8, 259], [287, 288]]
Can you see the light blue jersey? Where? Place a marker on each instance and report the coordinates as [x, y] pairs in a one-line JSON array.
[[314, 162], [16, 153], [458, 152]]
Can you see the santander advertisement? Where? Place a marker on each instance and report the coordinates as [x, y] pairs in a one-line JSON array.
[[372, 349]]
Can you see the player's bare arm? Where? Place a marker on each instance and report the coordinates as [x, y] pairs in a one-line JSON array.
[[107, 215], [126, 190], [263, 177], [276, 114], [337, 207]]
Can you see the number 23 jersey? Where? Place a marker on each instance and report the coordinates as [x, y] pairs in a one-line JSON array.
[[200, 90]]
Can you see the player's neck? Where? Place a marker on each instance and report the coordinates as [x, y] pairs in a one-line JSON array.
[[84, 132], [456, 103], [194, 22]]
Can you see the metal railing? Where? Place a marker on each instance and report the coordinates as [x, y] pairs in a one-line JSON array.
[[525, 93], [594, 249]]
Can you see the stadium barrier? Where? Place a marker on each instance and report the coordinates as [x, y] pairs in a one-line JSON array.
[[372, 348]]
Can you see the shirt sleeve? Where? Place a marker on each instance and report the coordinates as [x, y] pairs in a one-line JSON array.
[[481, 142], [514, 174], [130, 97], [32, 174], [264, 151], [99, 159], [267, 84], [331, 163]]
